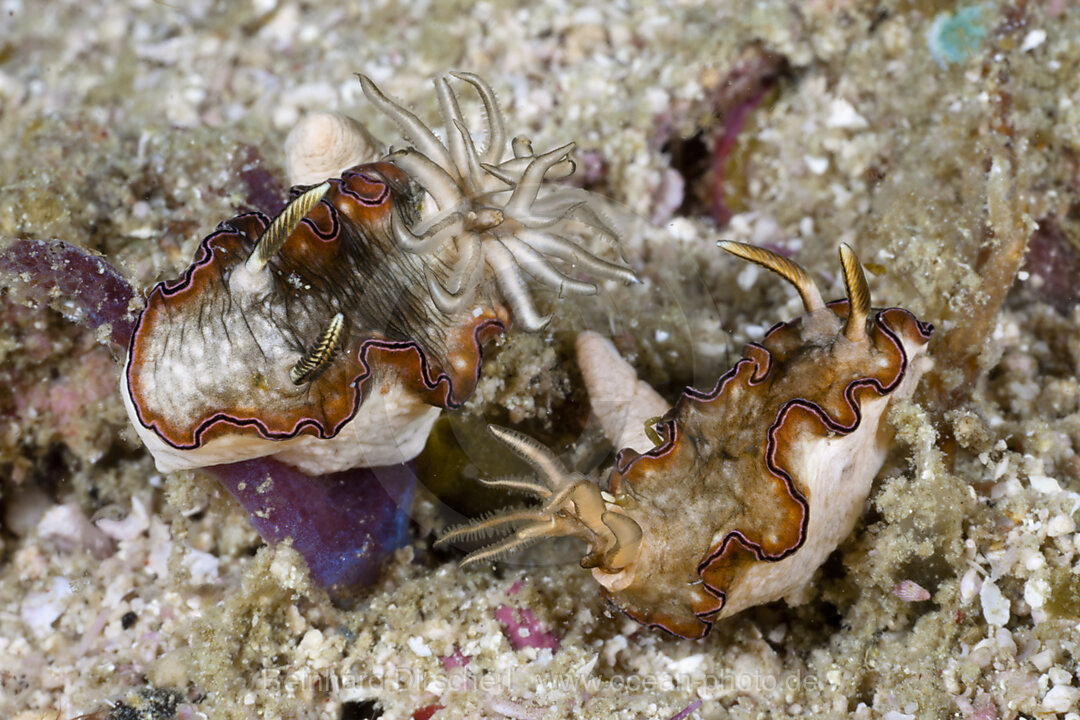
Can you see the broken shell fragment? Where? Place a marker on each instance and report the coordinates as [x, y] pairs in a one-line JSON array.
[[622, 403], [323, 145]]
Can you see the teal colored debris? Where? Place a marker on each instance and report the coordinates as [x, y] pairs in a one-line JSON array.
[[955, 37]]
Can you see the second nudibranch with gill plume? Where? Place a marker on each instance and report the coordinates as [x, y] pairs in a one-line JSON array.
[[753, 483], [331, 335]]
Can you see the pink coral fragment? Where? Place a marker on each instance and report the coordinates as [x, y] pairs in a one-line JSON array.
[[426, 712], [685, 712], [455, 660], [523, 630]]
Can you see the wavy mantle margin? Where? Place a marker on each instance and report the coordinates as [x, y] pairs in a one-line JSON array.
[[759, 360], [438, 388]]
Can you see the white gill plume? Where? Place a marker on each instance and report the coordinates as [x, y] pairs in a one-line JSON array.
[[495, 210]]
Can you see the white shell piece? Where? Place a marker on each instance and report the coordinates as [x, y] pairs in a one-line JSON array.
[[621, 401], [325, 144]]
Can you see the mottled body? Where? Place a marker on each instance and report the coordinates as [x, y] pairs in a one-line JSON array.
[[754, 483], [770, 470], [331, 335], [210, 361]]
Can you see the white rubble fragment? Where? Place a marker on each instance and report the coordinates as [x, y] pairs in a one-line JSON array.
[[668, 195], [1010, 487], [132, 526], [40, 610], [1031, 558], [747, 277], [1032, 40], [687, 665], [1060, 525], [312, 94], [157, 561], [982, 653], [1061, 698], [203, 567], [682, 229], [995, 606], [418, 646], [24, 509], [757, 660], [585, 669], [1044, 484], [1035, 592], [1059, 675], [1006, 645], [166, 52], [815, 164], [657, 100], [843, 114], [1041, 660], [67, 527], [970, 585], [612, 648], [895, 715], [284, 572], [311, 644]]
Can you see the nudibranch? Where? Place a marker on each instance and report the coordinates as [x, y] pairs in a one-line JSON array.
[[752, 484], [331, 335]]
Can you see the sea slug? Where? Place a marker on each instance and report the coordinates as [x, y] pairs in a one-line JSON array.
[[753, 482], [330, 336]]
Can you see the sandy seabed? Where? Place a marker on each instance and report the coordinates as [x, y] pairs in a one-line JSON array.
[[929, 135]]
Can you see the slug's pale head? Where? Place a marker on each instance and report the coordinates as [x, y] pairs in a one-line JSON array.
[[330, 335], [755, 482]]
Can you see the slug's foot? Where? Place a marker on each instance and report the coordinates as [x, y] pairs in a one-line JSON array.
[[571, 505]]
